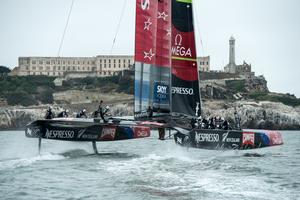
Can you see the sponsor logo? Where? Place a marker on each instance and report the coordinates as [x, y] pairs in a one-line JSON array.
[[141, 131], [181, 90], [248, 138], [162, 89], [59, 134], [206, 137], [141, 115], [225, 138], [275, 137], [82, 135], [178, 49], [161, 93], [34, 132], [108, 133], [145, 4]]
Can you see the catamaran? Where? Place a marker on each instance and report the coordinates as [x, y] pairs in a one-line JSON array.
[[167, 91]]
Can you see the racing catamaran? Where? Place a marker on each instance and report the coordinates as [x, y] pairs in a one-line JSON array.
[[167, 79], [167, 92]]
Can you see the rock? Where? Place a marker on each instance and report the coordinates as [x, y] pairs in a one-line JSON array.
[[257, 115]]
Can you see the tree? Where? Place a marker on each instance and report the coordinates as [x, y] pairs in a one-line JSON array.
[[4, 70]]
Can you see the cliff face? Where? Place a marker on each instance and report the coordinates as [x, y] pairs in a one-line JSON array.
[[261, 115]]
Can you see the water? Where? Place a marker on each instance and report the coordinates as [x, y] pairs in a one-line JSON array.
[[145, 169]]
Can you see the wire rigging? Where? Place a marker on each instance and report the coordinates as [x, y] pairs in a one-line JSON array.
[[118, 26], [198, 29], [65, 29]]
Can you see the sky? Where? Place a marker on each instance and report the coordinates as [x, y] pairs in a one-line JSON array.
[[267, 33]]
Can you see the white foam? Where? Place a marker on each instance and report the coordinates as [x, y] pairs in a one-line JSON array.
[[23, 162]]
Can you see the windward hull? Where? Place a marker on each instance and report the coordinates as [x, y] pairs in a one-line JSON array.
[[228, 139], [84, 130]]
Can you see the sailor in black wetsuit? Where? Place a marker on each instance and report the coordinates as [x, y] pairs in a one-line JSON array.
[[82, 114], [49, 113], [150, 112], [63, 114], [225, 125]]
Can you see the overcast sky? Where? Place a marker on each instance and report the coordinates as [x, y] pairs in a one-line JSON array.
[[267, 33]]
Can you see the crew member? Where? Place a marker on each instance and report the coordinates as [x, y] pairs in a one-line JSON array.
[[63, 114], [81, 114], [161, 133], [103, 113], [150, 112], [49, 113], [225, 124]]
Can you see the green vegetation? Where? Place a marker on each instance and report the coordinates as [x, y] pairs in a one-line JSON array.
[[106, 84], [286, 99], [32, 90], [26, 90], [236, 85], [4, 70]]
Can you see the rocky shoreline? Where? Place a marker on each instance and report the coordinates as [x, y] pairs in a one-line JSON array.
[[256, 115]]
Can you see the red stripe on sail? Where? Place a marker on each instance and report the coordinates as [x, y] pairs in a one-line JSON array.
[[163, 34], [145, 33], [184, 64]]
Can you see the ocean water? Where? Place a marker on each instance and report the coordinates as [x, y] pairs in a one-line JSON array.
[[145, 169]]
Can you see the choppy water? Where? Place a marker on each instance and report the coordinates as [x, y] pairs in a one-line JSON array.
[[145, 169]]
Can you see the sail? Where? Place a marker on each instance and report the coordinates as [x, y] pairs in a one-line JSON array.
[[152, 58], [185, 84]]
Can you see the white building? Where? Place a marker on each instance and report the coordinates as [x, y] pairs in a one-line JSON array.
[[82, 66]]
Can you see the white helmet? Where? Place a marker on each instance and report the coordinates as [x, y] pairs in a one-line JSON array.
[[107, 107], [84, 110]]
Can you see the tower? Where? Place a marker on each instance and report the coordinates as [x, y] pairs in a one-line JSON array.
[[232, 50], [231, 66]]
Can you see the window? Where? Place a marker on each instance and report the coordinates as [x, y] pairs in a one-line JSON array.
[[108, 61], [114, 61], [33, 68], [33, 62], [27, 68], [68, 62], [104, 61], [128, 61], [73, 62], [40, 62], [40, 68], [58, 62], [73, 68], [64, 62], [48, 62], [64, 68], [48, 68], [207, 62], [109, 65], [78, 62], [114, 65], [119, 65]]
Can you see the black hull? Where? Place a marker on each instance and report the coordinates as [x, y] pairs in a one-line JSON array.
[[70, 129], [228, 139]]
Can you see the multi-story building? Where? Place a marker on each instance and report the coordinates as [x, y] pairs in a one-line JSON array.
[[203, 64], [82, 66]]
